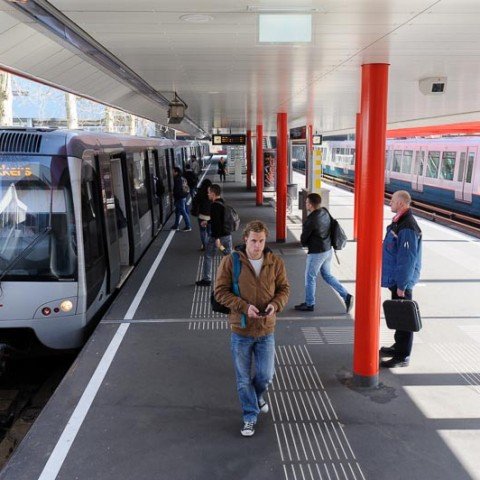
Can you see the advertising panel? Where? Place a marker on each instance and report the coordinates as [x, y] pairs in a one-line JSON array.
[[269, 170]]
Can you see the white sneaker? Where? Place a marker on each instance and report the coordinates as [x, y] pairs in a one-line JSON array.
[[263, 406], [248, 429]]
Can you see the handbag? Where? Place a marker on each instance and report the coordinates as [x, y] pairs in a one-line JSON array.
[[402, 315], [217, 306]]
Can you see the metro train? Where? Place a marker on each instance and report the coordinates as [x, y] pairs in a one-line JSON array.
[[444, 172], [77, 210]]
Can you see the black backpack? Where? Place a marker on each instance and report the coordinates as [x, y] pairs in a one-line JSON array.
[[231, 220], [337, 235]]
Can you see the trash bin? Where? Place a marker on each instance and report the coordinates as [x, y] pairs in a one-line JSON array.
[[302, 196]]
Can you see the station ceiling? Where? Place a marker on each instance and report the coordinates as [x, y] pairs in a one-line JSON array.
[[229, 80]]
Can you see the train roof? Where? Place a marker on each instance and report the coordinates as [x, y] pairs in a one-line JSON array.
[[462, 140], [48, 141]]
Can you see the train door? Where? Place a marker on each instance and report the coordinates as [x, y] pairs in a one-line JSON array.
[[170, 163], [110, 221], [121, 213], [465, 175], [163, 189], [153, 194], [417, 172]]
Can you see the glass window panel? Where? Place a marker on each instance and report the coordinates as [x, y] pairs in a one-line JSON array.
[[419, 162], [471, 158], [397, 161], [448, 165], [461, 167], [140, 184], [407, 161], [433, 164]]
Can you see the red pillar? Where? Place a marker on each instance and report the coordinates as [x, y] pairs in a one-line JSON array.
[[358, 170], [249, 159], [282, 173], [309, 155], [370, 221], [259, 176]]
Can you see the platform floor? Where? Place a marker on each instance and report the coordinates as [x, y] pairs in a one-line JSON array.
[[152, 395]]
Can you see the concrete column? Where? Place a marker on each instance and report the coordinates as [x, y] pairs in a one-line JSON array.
[[370, 224], [282, 174]]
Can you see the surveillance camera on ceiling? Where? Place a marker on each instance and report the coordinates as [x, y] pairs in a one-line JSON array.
[[176, 112], [433, 85]]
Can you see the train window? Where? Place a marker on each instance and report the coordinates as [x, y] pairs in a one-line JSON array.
[[419, 162], [461, 167], [407, 161], [37, 224], [140, 183], [397, 161], [448, 165], [471, 158], [433, 164]]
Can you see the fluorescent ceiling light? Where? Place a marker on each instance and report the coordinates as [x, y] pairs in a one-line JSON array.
[[196, 18], [284, 28], [273, 8]]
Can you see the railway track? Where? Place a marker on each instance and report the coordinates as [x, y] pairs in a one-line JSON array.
[[449, 218], [25, 387]]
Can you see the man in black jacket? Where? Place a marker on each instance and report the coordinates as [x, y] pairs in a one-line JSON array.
[[191, 178], [219, 237], [316, 236], [180, 194]]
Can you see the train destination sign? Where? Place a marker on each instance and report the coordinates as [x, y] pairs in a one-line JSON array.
[[298, 133], [228, 139], [7, 170]]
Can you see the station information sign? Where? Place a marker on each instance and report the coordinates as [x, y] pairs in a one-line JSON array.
[[298, 133], [229, 139]]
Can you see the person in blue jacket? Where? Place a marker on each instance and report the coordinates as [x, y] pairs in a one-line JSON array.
[[401, 264]]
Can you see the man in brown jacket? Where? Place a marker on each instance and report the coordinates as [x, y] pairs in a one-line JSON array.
[[264, 290]]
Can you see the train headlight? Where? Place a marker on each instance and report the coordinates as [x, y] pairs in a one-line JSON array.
[[66, 306], [46, 311]]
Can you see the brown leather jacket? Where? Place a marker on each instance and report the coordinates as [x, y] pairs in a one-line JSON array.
[[270, 287]]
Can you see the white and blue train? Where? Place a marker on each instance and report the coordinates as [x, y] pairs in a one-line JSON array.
[[444, 172], [77, 210]]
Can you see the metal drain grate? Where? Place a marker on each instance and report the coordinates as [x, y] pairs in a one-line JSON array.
[[312, 336], [209, 325], [201, 307], [473, 331], [464, 357], [344, 336], [310, 438]]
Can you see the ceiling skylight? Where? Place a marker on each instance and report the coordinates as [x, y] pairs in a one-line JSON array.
[[284, 28]]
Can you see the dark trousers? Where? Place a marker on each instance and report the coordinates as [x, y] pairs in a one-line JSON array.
[[403, 339]]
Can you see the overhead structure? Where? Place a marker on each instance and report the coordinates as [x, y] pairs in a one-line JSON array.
[[214, 54]]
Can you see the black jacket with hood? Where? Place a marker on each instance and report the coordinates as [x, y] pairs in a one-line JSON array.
[[316, 231]]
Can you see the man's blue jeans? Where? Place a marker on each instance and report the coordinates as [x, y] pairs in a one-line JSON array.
[[204, 232], [320, 263], [181, 210], [210, 251], [251, 390]]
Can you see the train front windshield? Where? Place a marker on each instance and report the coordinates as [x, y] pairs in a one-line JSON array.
[[37, 223]]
